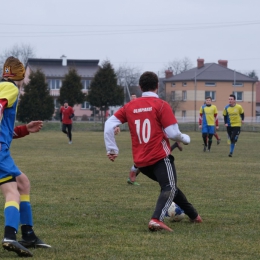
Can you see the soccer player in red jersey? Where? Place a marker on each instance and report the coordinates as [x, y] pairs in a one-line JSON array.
[[151, 124], [66, 115]]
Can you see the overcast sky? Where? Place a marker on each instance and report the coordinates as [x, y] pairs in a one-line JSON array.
[[147, 34]]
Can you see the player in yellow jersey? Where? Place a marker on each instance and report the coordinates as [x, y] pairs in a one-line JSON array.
[[233, 118], [208, 120]]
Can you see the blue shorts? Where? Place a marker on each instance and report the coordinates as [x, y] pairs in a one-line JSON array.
[[8, 169], [208, 129]]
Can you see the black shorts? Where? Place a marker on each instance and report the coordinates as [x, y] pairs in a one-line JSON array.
[[233, 132]]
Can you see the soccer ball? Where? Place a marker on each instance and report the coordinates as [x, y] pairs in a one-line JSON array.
[[175, 213]]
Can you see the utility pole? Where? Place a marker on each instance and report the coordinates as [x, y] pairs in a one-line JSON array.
[[195, 100]]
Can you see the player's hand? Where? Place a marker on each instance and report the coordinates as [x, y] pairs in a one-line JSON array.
[[116, 130], [242, 121], [216, 127], [34, 126], [185, 139], [226, 125], [111, 156], [200, 126]]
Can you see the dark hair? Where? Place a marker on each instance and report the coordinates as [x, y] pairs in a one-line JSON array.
[[65, 101], [148, 81], [232, 95], [209, 97]]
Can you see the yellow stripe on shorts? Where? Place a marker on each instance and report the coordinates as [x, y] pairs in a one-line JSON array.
[[6, 179]]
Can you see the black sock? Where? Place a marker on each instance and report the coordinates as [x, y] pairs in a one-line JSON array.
[[10, 233], [27, 232]]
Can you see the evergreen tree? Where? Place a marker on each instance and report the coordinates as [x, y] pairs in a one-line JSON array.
[[36, 102], [252, 74], [71, 89], [104, 91]]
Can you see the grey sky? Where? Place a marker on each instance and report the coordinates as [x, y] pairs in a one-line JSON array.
[[141, 33]]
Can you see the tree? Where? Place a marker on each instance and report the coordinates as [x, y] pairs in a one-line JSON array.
[[36, 102], [71, 89], [174, 100], [104, 91], [128, 78], [22, 52], [252, 74], [179, 66]]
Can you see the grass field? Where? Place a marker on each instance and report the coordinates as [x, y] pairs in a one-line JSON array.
[[84, 208]]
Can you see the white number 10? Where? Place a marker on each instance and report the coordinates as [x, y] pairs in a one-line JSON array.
[[146, 130]]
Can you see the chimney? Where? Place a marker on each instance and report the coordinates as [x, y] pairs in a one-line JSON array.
[[64, 60], [200, 63], [223, 63], [169, 73]]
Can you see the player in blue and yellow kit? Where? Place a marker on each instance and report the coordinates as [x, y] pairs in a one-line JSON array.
[[14, 184], [208, 120], [233, 118]]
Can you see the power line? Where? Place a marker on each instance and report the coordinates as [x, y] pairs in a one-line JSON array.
[[126, 31], [130, 25]]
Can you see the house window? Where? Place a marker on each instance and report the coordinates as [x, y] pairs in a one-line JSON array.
[[238, 84], [184, 84], [54, 83], [211, 94], [210, 84], [85, 83], [239, 95], [183, 113], [173, 84], [85, 105], [173, 95], [184, 95]]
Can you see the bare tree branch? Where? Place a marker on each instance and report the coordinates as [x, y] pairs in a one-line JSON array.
[[128, 77], [22, 52]]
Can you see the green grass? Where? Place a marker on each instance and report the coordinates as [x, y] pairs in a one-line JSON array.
[[84, 208]]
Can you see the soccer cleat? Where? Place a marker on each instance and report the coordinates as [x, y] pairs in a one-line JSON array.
[[198, 219], [70, 142], [208, 150], [13, 245], [132, 182], [204, 149], [230, 155], [157, 225], [34, 243], [218, 141]]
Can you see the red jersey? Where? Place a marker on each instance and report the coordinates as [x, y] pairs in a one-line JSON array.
[[147, 117], [66, 114]]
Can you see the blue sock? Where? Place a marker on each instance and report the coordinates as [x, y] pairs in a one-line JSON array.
[[26, 217], [232, 147], [12, 214]]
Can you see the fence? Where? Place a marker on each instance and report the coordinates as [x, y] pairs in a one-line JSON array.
[[184, 125]]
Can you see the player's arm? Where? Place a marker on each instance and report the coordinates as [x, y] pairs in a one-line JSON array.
[[23, 130], [72, 113], [60, 114], [225, 116], [116, 130], [200, 120], [216, 120], [170, 125], [173, 132], [3, 105], [109, 137], [242, 115]]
